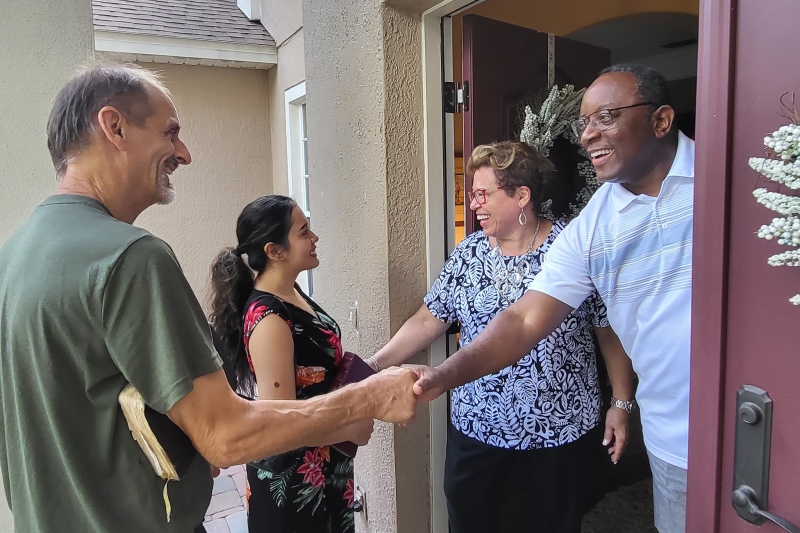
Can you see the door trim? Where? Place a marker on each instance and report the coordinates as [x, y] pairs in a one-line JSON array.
[[709, 264]]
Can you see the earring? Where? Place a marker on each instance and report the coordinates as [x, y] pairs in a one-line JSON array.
[[523, 218]]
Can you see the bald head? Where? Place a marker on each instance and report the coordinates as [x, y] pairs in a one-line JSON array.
[[73, 119]]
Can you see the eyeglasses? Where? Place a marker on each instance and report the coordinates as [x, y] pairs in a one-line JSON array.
[[479, 195], [605, 120]]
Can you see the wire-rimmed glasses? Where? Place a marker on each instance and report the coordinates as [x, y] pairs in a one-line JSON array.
[[605, 119]]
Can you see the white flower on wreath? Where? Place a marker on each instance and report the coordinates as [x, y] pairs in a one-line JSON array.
[[783, 168]]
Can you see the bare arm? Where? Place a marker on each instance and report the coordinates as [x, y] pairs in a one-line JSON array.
[[508, 337], [272, 352], [415, 335], [229, 430], [620, 374]]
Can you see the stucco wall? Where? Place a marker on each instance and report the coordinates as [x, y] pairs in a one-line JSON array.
[[32, 75], [289, 71], [224, 115], [282, 18], [365, 133]]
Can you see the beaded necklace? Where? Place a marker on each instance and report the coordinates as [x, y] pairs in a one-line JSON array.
[[508, 281]]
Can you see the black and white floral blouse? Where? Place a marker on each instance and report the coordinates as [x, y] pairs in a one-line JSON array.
[[548, 398]]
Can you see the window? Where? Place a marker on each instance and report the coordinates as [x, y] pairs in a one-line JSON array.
[[297, 161]]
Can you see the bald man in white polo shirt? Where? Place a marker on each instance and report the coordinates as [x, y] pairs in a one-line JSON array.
[[633, 244]]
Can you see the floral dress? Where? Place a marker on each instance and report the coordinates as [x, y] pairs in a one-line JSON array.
[[308, 490]]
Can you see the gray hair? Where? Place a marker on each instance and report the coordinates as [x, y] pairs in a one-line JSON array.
[[73, 117]]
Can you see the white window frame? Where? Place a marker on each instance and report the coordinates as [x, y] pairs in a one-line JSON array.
[[297, 160]]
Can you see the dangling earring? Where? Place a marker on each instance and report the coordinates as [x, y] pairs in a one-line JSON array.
[[523, 218]]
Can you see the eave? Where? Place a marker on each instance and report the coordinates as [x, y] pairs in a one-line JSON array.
[[158, 49]]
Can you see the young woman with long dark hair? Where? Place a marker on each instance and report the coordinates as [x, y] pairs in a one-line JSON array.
[[282, 345]]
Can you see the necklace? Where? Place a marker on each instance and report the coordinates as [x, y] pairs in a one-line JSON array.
[[506, 281]]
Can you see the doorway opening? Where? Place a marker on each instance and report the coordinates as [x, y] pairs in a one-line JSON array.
[[663, 36]]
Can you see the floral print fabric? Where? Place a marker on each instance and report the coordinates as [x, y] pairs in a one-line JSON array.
[[309, 489], [548, 398]]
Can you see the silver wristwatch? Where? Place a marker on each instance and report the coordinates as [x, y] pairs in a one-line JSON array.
[[625, 406]]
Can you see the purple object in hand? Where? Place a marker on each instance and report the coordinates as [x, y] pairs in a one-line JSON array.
[[352, 370]]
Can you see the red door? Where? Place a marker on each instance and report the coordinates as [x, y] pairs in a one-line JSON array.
[[506, 66], [745, 331]]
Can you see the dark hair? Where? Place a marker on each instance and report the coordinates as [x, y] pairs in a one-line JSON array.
[[73, 116], [267, 219], [516, 164], [651, 85]]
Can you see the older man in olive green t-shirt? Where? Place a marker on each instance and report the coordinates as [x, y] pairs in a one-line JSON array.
[[89, 303]]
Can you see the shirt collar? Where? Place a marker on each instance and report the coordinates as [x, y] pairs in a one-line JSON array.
[[682, 166]]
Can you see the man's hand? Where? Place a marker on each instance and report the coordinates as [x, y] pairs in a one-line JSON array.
[[429, 385], [359, 431], [392, 396], [616, 434]]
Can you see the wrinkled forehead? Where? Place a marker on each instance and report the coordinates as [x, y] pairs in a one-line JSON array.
[[615, 89]]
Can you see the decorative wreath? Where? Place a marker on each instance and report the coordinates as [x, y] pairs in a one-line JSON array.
[[783, 167], [553, 121]]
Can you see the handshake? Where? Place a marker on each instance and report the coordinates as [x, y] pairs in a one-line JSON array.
[[396, 391]]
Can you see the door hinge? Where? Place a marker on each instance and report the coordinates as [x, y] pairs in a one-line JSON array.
[[455, 97]]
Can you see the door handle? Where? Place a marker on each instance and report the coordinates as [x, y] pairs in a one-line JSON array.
[[745, 498], [751, 457]]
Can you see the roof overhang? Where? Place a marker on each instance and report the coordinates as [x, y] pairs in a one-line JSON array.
[[157, 49]]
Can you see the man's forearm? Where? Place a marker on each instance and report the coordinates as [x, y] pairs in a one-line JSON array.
[[618, 364], [508, 337], [269, 427], [228, 430]]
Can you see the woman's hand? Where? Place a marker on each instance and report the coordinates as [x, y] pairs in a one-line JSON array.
[[616, 434]]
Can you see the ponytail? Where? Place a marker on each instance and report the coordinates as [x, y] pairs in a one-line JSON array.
[[231, 285]]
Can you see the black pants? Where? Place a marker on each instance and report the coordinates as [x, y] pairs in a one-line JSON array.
[[498, 490], [200, 529]]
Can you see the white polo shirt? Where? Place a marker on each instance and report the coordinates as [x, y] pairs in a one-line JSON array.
[[636, 250]]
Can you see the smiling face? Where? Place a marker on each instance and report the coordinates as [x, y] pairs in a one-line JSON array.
[[155, 150], [623, 153], [301, 250], [500, 214]]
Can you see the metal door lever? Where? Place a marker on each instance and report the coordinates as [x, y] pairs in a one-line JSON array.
[[744, 498]]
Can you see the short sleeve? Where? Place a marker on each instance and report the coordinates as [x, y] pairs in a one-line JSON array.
[[564, 274], [440, 298], [260, 308], [155, 330]]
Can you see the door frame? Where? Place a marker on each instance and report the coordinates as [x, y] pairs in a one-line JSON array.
[[709, 262], [714, 98], [438, 132]]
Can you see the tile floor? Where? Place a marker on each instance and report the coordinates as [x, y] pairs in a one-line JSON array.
[[227, 512]]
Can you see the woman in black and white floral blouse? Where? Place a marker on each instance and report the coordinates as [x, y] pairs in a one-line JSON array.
[[519, 435]]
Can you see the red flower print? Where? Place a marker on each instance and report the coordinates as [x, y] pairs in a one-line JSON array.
[[334, 342], [252, 316], [312, 469], [349, 495]]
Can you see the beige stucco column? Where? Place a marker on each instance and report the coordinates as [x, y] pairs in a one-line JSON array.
[[41, 44], [364, 91]]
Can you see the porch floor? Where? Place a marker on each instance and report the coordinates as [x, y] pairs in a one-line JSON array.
[[227, 512]]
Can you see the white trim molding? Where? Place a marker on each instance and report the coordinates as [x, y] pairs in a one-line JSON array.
[[251, 8], [159, 49]]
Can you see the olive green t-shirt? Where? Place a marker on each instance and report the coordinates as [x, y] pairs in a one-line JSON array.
[[87, 304]]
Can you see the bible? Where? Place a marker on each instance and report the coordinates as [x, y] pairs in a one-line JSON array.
[[351, 370], [168, 449]]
